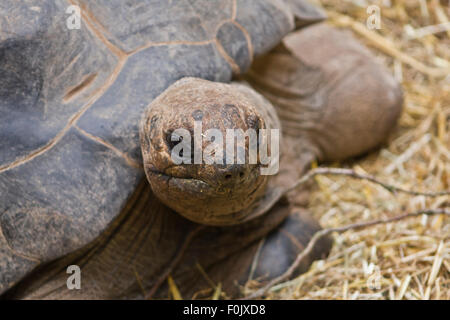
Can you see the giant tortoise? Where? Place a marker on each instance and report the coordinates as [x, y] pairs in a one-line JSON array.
[[88, 117]]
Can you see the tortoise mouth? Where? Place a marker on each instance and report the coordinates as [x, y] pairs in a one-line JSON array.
[[216, 186], [201, 202], [182, 182], [167, 176]]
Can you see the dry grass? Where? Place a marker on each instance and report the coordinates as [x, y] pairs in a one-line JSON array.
[[408, 259]]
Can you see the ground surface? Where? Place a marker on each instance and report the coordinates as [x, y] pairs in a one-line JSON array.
[[409, 259]]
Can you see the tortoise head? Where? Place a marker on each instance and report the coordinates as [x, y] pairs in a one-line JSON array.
[[190, 156]]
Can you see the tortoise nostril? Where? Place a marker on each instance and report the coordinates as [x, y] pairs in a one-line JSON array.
[[234, 175]]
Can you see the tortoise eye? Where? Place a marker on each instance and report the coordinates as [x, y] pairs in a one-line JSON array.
[[253, 122], [171, 144], [178, 139]]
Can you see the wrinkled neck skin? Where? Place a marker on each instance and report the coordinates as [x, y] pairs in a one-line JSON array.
[[297, 91], [337, 98], [296, 158]]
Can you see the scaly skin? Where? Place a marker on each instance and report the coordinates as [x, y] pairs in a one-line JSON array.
[[329, 92]]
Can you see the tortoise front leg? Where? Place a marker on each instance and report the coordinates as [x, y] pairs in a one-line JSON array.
[[331, 94]]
